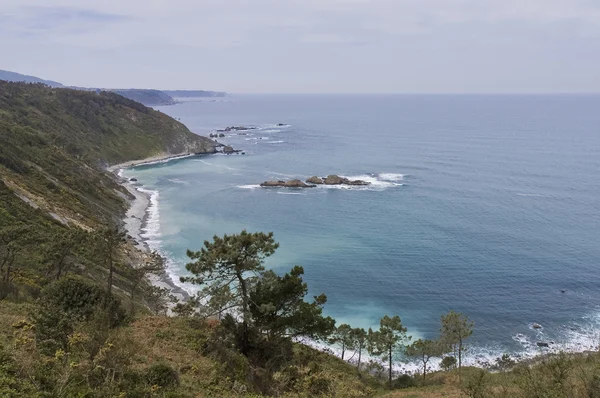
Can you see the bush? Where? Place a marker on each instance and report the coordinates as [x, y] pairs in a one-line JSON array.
[[448, 363], [162, 375], [404, 381], [64, 304]]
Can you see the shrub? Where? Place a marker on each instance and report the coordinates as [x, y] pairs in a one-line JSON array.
[[404, 381], [64, 304], [162, 375], [448, 363]]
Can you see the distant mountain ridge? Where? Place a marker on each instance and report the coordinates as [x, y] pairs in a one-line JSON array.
[[148, 97], [194, 93], [17, 77]]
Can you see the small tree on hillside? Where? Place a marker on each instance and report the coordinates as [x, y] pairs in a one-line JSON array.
[[359, 342], [9, 248], [230, 264], [424, 350], [390, 338], [154, 265], [109, 240], [59, 250], [342, 335], [278, 308], [456, 328]]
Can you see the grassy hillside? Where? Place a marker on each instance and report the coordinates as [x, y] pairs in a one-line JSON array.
[[146, 97], [56, 143]]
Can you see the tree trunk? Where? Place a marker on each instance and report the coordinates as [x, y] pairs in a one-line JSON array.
[[424, 367], [359, 354], [343, 350], [390, 370], [245, 333], [459, 358]]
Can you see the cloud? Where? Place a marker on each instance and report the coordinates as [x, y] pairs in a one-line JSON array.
[[308, 45]]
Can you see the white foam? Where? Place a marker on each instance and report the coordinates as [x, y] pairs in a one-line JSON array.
[[275, 142], [252, 186], [178, 181], [291, 193], [534, 195], [271, 131], [375, 183], [391, 176], [152, 236]]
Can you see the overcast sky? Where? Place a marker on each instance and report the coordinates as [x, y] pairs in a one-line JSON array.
[[314, 46]]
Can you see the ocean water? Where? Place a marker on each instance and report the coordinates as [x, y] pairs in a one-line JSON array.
[[487, 205]]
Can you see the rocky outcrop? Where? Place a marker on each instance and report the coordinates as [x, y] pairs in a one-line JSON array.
[[235, 128], [228, 149], [287, 184], [315, 180], [334, 179]]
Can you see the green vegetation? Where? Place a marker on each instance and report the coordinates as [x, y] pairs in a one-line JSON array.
[[147, 97], [78, 317]]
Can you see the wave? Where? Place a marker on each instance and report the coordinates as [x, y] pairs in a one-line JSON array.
[[534, 195], [257, 138], [291, 193], [151, 235], [572, 338], [275, 142], [271, 131], [391, 176], [253, 186], [376, 182], [178, 181]]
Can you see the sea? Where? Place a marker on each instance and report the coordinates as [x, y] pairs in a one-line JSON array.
[[488, 205]]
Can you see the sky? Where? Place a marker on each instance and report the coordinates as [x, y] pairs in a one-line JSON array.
[[308, 46]]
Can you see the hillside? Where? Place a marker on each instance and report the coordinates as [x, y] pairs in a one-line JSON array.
[[146, 97], [17, 77]]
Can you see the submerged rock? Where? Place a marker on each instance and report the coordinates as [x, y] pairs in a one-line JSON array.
[[543, 344], [536, 326]]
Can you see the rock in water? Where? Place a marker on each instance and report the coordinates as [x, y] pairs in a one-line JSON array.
[[228, 149], [297, 184], [542, 344], [273, 184], [357, 182], [315, 180], [333, 179], [536, 326]]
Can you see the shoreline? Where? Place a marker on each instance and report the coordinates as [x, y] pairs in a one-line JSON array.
[[135, 222], [150, 160]]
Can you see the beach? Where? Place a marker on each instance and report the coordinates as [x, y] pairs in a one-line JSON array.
[[136, 219]]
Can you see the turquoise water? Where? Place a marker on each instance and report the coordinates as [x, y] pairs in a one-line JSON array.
[[488, 205]]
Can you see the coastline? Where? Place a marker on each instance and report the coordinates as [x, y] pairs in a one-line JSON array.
[[150, 160], [136, 220]]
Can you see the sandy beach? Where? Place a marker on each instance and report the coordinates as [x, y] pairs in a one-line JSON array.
[[135, 221], [153, 159]]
